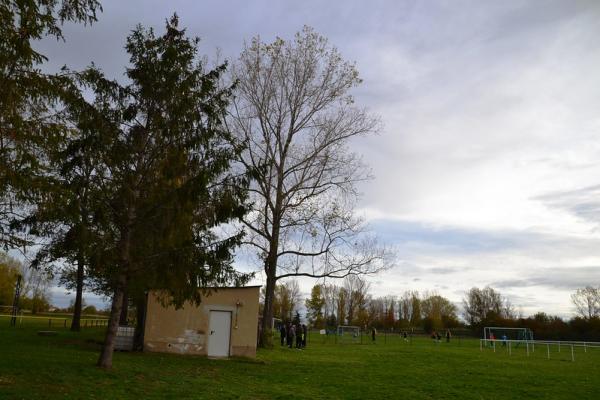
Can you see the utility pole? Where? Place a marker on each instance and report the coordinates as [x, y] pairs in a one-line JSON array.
[[15, 306]]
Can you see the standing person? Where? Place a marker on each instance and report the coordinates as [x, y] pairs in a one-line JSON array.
[[405, 336], [283, 333], [373, 334], [438, 336], [304, 334], [447, 335], [299, 336], [291, 335]]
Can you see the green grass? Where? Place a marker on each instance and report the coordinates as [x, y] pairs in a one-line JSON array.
[[62, 366]]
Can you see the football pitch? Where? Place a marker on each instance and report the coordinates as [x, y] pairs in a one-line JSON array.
[[62, 366]]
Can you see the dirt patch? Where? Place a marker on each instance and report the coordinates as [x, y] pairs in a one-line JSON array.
[[6, 381]]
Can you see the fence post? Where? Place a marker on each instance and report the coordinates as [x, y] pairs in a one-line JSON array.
[[548, 346], [559, 346], [509, 349], [494, 346], [572, 354], [584, 348], [527, 345]]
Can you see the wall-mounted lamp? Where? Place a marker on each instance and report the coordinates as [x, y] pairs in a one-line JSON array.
[[238, 304]]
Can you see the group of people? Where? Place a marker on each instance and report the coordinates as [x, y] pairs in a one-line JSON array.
[[293, 334], [435, 335], [493, 338]]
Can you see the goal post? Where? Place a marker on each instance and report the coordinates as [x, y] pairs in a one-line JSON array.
[[501, 333], [348, 334]]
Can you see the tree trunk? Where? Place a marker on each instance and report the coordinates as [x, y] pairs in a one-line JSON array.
[[105, 360], [265, 334], [76, 321], [124, 309], [138, 338]]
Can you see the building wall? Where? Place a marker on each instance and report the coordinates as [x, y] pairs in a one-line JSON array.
[[186, 331]]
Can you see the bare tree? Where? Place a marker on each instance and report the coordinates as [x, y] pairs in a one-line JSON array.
[[480, 304], [288, 299], [358, 293], [376, 312], [329, 292], [389, 304], [437, 308], [587, 302], [294, 110], [406, 306], [341, 303]]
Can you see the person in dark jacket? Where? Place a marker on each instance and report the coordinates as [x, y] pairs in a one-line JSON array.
[[304, 334], [283, 333], [291, 335], [298, 336]]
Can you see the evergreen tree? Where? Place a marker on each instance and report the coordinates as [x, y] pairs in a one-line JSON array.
[[28, 101], [64, 214], [162, 182]]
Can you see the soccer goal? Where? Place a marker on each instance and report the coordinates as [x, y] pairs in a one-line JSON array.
[[276, 324], [348, 334], [520, 335]]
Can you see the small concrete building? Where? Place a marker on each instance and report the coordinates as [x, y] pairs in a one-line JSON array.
[[224, 324]]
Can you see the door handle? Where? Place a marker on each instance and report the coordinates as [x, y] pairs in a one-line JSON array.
[[211, 332]]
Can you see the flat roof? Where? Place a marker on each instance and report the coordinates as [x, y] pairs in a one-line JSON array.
[[221, 287]]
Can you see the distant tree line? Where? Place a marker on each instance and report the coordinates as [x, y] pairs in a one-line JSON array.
[[487, 307], [352, 303]]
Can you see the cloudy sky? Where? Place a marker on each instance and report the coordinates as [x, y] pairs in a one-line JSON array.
[[488, 166]]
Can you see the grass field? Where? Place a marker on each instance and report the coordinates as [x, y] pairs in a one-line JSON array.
[[62, 366]]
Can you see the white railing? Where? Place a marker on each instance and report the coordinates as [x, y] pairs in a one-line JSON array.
[[572, 344]]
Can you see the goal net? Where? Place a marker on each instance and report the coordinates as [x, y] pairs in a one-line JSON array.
[[348, 334], [519, 335]]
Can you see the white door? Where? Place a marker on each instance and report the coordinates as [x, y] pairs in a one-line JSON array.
[[219, 333]]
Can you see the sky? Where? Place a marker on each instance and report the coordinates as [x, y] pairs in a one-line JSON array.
[[487, 168]]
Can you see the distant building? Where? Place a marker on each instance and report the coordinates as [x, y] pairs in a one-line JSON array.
[[223, 325]]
